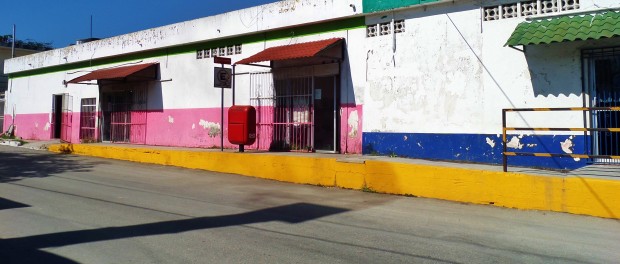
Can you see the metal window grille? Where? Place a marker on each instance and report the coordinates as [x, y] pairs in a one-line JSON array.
[[199, 54], [207, 53], [238, 49], [222, 51], [88, 120], [230, 50]]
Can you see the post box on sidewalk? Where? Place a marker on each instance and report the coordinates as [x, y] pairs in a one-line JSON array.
[[242, 125]]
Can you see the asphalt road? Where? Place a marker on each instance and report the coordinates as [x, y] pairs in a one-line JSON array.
[[69, 209]]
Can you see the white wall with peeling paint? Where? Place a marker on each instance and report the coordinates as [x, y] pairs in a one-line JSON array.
[[191, 85], [191, 80], [267, 17], [450, 73]]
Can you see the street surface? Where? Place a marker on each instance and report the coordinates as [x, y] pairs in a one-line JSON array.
[[68, 209]]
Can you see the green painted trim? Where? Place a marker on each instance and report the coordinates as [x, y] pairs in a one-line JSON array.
[[371, 6], [307, 30]]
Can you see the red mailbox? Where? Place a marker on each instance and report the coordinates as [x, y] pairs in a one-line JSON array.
[[241, 125]]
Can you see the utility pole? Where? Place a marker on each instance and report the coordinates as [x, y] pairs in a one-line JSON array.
[[13, 43]]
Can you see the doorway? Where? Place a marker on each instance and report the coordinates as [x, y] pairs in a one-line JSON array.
[[603, 80], [297, 113], [62, 115], [325, 117], [116, 116], [56, 115], [124, 112]]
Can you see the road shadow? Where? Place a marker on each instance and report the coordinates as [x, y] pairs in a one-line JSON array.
[[9, 204], [28, 249], [17, 164]]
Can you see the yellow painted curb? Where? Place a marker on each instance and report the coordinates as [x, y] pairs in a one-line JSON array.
[[578, 195]]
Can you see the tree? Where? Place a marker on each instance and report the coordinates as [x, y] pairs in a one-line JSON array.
[[7, 41]]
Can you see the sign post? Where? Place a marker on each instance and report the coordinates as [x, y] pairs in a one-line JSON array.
[[222, 79]]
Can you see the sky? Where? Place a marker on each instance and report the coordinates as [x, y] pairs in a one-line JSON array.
[[62, 22]]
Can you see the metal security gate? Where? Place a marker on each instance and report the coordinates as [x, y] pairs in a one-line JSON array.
[[296, 110], [88, 120], [284, 112], [294, 115], [262, 97], [124, 114], [138, 115], [602, 78], [120, 117]]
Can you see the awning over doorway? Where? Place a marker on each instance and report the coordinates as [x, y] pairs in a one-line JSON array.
[[145, 71], [294, 51], [566, 28]]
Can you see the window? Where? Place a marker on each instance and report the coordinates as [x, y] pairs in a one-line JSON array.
[[399, 26], [385, 28], [528, 8], [88, 120]]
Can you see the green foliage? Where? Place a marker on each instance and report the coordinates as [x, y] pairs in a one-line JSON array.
[[367, 189], [13, 138], [7, 40]]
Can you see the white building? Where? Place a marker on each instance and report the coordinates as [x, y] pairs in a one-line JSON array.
[[5, 53], [414, 78]]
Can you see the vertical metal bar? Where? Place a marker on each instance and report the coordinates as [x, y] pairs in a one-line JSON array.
[[145, 109], [53, 119], [298, 86], [233, 84], [13, 43], [307, 99], [594, 123], [222, 119], [504, 148], [304, 100], [606, 123], [584, 105], [615, 149], [335, 116], [311, 110]]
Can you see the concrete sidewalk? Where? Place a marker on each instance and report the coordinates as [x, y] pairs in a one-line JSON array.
[[594, 192]]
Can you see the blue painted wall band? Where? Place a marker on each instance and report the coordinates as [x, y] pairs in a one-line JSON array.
[[478, 148]]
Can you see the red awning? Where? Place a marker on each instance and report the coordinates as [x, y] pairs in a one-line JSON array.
[[294, 51], [115, 73]]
